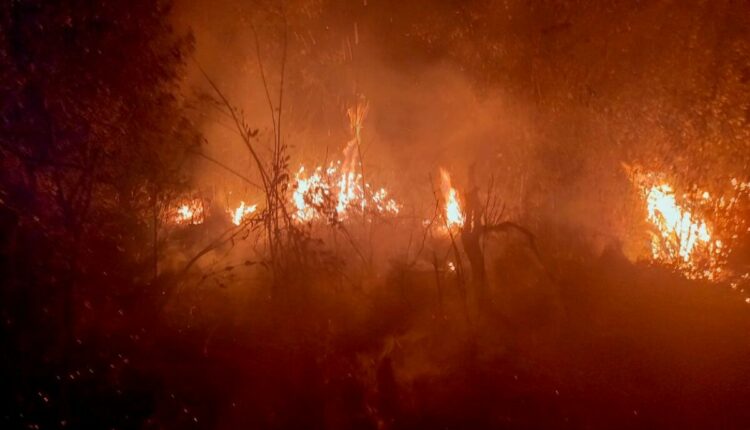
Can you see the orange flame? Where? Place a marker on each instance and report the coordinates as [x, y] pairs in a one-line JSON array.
[[332, 193], [335, 192], [680, 233], [695, 232], [454, 216], [682, 239]]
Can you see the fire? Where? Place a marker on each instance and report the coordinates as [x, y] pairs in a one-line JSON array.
[[310, 193], [696, 232], [190, 212], [349, 182], [683, 239], [241, 212], [332, 193], [336, 191], [680, 232], [384, 204], [454, 216]]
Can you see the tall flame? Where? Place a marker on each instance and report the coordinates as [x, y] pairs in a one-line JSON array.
[[454, 216], [680, 232]]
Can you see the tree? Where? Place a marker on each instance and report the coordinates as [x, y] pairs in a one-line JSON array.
[[93, 137]]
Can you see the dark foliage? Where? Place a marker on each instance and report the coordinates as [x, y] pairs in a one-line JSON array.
[[94, 143]]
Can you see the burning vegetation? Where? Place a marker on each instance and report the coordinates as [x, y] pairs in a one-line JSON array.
[[333, 192], [695, 233], [453, 214], [378, 215], [189, 212]]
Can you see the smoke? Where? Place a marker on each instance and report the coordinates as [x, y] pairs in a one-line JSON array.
[[543, 102], [423, 114]]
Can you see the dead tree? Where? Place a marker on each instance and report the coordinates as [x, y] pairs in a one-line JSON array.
[[483, 218], [471, 234]]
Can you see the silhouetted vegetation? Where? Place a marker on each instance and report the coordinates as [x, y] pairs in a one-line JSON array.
[[536, 312]]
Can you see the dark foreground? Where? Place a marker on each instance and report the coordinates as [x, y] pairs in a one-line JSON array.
[[631, 347]]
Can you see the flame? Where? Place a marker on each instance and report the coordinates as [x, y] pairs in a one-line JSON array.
[[349, 182], [189, 212], [696, 232], [454, 217], [682, 239], [241, 212], [332, 193], [310, 193], [680, 232], [383, 204]]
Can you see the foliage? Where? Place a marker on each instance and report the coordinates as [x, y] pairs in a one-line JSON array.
[[93, 137]]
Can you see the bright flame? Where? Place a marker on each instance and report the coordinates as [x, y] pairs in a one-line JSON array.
[[310, 193], [679, 232], [696, 237], [332, 193], [454, 217], [241, 212], [190, 212]]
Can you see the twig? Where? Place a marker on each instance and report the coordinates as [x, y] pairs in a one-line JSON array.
[[509, 225], [427, 229], [263, 76], [353, 243], [227, 168]]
